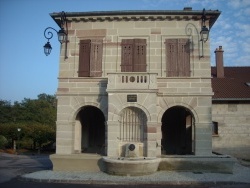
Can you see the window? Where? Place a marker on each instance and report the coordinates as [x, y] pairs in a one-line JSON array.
[[90, 58], [133, 56], [215, 128], [177, 57]]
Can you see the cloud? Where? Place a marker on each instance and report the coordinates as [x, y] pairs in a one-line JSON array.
[[246, 46], [242, 61], [204, 3], [235, 4], [160, 4], [242, 30]]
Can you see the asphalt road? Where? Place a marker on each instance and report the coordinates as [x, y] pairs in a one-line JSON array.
[[13, 166]]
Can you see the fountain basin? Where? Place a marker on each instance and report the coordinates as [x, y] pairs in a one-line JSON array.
[[131, 166]]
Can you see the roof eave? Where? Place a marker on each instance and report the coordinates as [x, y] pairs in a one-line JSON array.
[[212, 15]]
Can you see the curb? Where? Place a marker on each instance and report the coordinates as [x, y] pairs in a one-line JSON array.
[[103, 182]]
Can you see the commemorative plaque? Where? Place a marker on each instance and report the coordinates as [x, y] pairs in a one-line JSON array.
[[131, 98]]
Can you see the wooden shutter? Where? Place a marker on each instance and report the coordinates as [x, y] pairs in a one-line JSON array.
[[178, 57], [139, 57], [172, 57], [183, 57], [96, 57], [84, 58], [127, 55]]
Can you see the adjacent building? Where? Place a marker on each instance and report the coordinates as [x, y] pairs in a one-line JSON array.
[[231, 108]]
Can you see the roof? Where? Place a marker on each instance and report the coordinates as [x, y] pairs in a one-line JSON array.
[[186, 13], [234, 84]]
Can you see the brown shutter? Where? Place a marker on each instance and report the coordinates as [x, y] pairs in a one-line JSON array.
[[84, 58], [127, 55], [172, 57], [139, 60], [183, 57], [96, 57], [178, 57]]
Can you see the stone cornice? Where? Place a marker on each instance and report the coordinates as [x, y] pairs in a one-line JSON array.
[[138, 15]]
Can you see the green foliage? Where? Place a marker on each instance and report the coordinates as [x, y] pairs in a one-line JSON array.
[[35, 117], [3, 142]]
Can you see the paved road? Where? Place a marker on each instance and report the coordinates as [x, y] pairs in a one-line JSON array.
[[12, 166], [14, 183]]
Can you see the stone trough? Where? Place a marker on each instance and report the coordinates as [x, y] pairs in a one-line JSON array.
[[131, 166]]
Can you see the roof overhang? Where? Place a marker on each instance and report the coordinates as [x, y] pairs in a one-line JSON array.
[[139, 15]]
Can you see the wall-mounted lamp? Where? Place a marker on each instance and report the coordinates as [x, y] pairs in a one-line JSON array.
[[61, 34], [202, 36], [204, 31]]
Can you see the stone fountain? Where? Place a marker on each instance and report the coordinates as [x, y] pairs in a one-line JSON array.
[[131, 164]]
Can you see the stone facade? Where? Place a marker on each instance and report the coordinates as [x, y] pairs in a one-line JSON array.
[[140, 101], [233, 129]]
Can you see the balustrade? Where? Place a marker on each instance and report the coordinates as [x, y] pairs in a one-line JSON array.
[[134, 80]]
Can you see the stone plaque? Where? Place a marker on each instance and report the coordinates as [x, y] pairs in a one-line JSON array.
[[131, 98]]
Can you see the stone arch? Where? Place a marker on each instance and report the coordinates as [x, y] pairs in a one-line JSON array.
[[178, 130], [118, 111], [133, 123], [90, 130], [181, 104], [77, 108]]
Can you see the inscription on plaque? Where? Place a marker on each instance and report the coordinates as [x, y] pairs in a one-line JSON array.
[[131, 98]]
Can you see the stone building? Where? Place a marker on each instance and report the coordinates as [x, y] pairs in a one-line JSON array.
[[231, 108], [134, 77]]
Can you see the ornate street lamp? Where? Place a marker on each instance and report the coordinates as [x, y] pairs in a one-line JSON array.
[[61, 34], [204, 31]]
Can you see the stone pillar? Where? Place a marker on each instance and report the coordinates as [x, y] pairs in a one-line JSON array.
[[150, 145], [203, 139], [65, 138], [158, 139], [113, 138], [78, 137]]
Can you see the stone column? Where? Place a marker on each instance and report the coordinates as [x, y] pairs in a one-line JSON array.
[[158, 139], [151, 139], [78, 137], [113, 138], [203, 139]]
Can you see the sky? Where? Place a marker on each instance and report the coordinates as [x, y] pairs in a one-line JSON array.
[[26, 72]]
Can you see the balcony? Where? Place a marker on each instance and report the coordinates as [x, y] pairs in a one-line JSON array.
[[132, 81]]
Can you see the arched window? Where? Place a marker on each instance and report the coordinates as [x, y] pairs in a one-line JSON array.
[[132, 124]]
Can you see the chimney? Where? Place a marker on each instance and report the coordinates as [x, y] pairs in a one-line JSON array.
[[219, 62]]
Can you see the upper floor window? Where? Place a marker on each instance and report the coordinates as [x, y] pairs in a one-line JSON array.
[[90, 58], [133, 55], [178, 57]]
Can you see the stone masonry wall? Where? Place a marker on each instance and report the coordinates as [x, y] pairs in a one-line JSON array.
[[74, 92], [233, 129]]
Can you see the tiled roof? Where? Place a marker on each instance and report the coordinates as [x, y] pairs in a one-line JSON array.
[[233, 85]]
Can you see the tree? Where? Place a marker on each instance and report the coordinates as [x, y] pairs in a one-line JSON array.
[[36, 118]]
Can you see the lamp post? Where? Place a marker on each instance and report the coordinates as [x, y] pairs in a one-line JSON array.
[[62, 35], [18, 138]]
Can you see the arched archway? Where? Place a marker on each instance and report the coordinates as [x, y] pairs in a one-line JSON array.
[[92, 130], [177, 131]]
